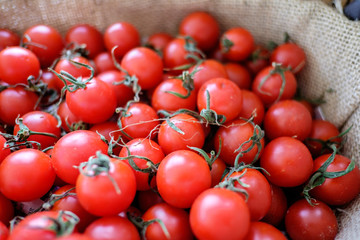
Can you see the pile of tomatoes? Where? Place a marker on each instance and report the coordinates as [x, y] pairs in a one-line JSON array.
[[202, 135]]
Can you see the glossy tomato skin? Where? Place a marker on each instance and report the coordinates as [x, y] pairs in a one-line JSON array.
[[278, 206], [341, 190], [72, 149], [94, 104], [182, 175], [287, 118], [175, 54], [289, 55], [49, 38], [303, 221], [243, 44], [4, 152], [252, 106], [66, 116], [261, 230], [26, 175], [6, 210], [104, 62], [4, 231], [75, 236], [288, 162], [176, 221], [112, 228], [8, 38], [17, 64], [238, 74], [218, 205], [225, 97], [159, 40], [95, 191]]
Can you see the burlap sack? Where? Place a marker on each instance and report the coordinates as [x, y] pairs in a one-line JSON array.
[[331, 42]]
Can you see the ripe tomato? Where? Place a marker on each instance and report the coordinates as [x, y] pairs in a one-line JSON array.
[[4, 152], [75, 236], [278, 206], [159, 40], [67, 117], [252, 106], [4, 231], [287, 118], [217, 170], [112, 228], [88, 35], [72, 149], [104, 62], [6, 211], [258, 60], [241, 44], [303, 221], [192, 133], [17, 64], [49, 43], [26, 175], [218, 205], [176, 221], [288, 162], [225, 97], [238, 74], [261, 230], [182, 175], [51, 80], [202, 27], [289, 55], [175, 54], [8, 38]]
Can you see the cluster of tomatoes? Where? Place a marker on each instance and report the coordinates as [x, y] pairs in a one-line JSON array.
[[106, 136]]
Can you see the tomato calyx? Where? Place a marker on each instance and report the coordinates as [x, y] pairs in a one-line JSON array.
[[56, 197], [210, 115], [226, 45], [30, 43], [193, 51], [187, 79], [213, 156], [319, 177], [229, 182], [64, 224]]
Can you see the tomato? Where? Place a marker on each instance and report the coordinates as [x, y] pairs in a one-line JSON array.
[[140, 121], [238, 74], [6, 211], [341, 190], [258, 60], [72, 149], [88, 35], [288, 162], [72, 204], [287, 118], [147, 148], [146, 199], [252, 106], [75, 236], [258, 191], [4, 152], [104, 62], [217, 170], [4, 231], [41, 122], [17, 64], [124, 35], [8, 38], [241, 44], [225, 97], [48, 43], [268, 85], [68, 119], [51, 80], [289, 55], [95, 103], [215, 206], [109, 130], [26, 175], [163, 99], [202, 27], [278, 206], [107, 193], [261, 230], [233, 135], [182, 175], [175, 54], [304, 221], [112, 228], [123, 93], [176, 221], [207, 70], [191, 134], [159, 40], [217, 54]]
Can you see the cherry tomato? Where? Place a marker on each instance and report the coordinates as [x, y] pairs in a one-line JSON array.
[[252, 106], [304, 221], [51, 80], [261, 230], [278, 206], [175, 54], [238, 74], [258, 60], [104, 62], [8, 38], [289, 55], [75, 236], [159, 40], [182, 175], [17, 64], [176, 221], [6, 210], [67, 117], [26, 175], [241, 46], [217, 170], [4, 231], [218, 205], [4, 152]]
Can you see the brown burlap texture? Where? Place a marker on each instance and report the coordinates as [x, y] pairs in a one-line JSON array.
[[331, 42]]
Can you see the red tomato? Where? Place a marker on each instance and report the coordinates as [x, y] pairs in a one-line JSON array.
[[49, 43], [98, 194], [72, 149], [218, 205], [289, 55], [6, 211], [268, 85], [241, 44], [124, 35], [107, 129], [191, 134], [217, 170], [104, 62], [51, 80], [252, 106], [17, 64], [4, 231], [202, 27], [259, 59], [278, 206], [304, 221], [68, 119], [288, 162], [287, 118], [4, 152], [88, 35], [112, 228], [26, 175], [238, 74], [8, 38], [261, 230], [175, 54], [341, 190], [135, 60], [159, 40], [147, 199], [75, 236], [176, 221], [182, 175], [225, 97]]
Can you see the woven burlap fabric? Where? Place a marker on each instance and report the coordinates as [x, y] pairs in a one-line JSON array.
[[331, 42]]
